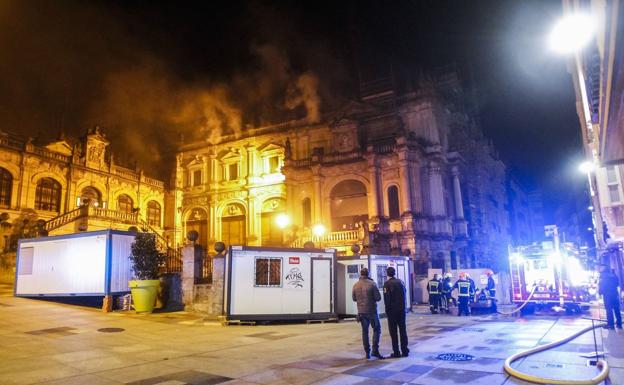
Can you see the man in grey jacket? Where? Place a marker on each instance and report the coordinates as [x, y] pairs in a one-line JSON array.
[[366, 294]]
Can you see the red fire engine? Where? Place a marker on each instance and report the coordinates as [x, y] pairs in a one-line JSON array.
[[544, 278]]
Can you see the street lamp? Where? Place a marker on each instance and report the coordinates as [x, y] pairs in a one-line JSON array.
[[282, 221], [571, 33], [318, 230], [587, 168]]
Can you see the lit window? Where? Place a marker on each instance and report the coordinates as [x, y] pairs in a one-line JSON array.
[[48, 195], [6, 186], [197, 178], [153, 213], [614, 193], [274, 166], [268, 272], [232, 171], [393, 202], [306, 206], [125, 204]]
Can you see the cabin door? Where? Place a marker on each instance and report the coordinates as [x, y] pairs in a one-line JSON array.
[[321, 285]]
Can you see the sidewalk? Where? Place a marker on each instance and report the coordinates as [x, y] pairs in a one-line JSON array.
[[48, 343]]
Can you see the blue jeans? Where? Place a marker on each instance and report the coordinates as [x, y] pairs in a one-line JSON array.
[[373, 321]]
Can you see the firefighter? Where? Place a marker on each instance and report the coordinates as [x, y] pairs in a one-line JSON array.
[[464, 289], [473, 287], [433, 287], [447, 289], [491, 289]]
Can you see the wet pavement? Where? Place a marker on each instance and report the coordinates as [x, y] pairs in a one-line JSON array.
[[44, 342]]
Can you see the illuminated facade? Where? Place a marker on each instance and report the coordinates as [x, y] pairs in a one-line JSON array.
[[74, 187], [383, 172]]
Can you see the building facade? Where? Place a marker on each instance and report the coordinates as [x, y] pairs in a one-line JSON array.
[[70, 187], [526, 222], [385, 172], [598, 75]]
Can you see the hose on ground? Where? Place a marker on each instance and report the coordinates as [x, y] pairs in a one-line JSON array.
[[521, 306], [602, 364]]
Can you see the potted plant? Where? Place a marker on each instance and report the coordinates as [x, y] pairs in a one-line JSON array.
[[146, 261]]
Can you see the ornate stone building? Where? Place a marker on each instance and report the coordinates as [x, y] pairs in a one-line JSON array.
[[385, 172], [73, 187]]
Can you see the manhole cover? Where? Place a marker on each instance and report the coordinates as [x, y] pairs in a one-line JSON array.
[[455, 357], [111, 330]]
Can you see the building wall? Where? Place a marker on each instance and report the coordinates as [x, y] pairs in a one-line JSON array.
[[74, 168], [365, 151]]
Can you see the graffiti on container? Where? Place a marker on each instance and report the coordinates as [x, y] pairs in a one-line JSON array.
[[294, 278]]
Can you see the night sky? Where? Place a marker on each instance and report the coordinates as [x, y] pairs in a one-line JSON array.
[[147, 72]]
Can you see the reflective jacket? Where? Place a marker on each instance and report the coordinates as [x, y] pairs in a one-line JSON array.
[[463, 287], [433, 287], [447, 285]]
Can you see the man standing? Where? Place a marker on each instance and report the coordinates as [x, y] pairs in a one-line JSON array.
[[394, 299], [464, 289], [433, 288], [491, 288], [366, 294], [608, 288], [447, 289]]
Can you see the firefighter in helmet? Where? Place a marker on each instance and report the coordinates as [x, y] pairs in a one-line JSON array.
[[447, 289], [464, 289], [434, 288], [491, 289]]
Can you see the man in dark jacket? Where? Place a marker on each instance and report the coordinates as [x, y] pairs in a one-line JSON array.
[[608, 288], [394, 299], [366, 294]]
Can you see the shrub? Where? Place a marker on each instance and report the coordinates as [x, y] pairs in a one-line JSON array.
[[146, 258]]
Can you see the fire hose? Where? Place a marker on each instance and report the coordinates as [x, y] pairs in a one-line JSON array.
[[602, 364], [521, 306]]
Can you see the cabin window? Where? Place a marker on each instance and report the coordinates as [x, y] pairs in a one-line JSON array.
[[268, 272], [381, 275]]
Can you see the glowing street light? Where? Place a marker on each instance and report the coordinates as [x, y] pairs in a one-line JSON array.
[[319, 230], [282, 220], [571, 33], [586, 167]]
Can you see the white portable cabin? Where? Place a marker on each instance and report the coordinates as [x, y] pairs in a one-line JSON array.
[[348, 273], [279, 283], [83, 264]]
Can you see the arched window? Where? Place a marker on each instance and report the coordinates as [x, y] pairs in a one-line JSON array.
[[393, 202], [349, 205], [306, 206], [125, 204], [90, 196], [6, 186], [48, 195], [153, 213]]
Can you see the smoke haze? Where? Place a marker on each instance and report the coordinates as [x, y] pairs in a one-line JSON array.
[[67, 66]]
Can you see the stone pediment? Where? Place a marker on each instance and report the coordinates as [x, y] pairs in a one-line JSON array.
[[270, 146], [196, 161], [228, 154], [60, 146]]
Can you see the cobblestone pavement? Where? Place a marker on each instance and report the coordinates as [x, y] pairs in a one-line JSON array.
[[49, 343]]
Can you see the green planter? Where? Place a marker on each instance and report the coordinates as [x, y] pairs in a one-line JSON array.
[[144, 294]]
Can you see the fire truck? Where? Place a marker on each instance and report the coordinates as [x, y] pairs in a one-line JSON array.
[[544, 277]]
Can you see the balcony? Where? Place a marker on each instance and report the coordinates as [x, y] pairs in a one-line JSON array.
[[334, 239]]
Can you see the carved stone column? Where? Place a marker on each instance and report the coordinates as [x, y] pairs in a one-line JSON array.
[[459, 206]]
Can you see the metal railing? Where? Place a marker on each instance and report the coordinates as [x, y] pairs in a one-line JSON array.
[[173, 261], [205, 273]]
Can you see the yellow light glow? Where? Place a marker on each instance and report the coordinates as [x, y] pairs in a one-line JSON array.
[[282, 220], [318, 230]]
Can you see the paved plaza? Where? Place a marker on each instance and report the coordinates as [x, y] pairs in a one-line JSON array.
[[50, 343]]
